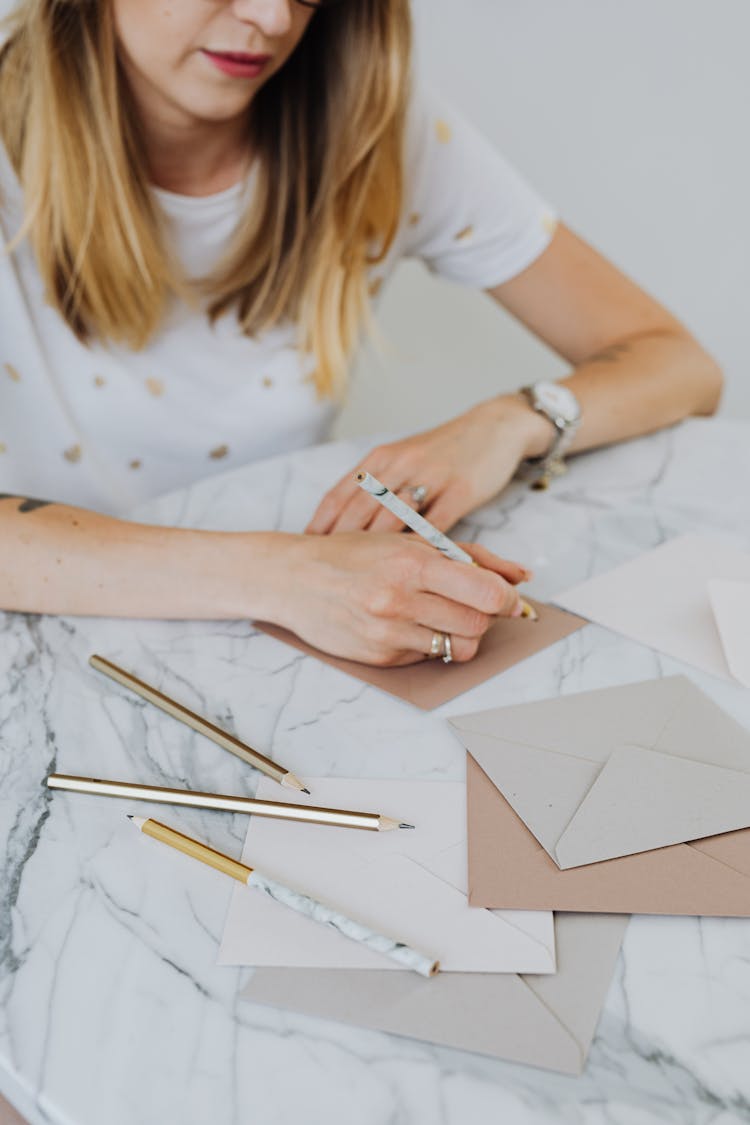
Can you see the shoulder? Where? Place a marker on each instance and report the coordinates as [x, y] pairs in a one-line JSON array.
[[470, 215]]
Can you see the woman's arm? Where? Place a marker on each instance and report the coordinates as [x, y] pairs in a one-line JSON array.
[[373, 598], [60, 559], [635, 369]]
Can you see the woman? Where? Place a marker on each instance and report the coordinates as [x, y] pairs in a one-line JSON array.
[[204, 197]]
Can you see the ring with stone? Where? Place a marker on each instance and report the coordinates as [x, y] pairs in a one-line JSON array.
[[437, 646], [447, 649], [418, 494]]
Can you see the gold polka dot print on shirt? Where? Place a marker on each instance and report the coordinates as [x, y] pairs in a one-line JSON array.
[[107, 428]]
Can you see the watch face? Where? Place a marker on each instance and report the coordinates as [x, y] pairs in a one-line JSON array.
[[557, 400]]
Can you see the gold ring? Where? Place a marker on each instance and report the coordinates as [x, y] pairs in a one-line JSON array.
[[447, 649], [437, 646]]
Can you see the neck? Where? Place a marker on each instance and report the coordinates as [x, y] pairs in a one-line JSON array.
[[200, 161], [189, 155]]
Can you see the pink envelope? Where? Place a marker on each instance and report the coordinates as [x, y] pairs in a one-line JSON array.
[[432, 682]]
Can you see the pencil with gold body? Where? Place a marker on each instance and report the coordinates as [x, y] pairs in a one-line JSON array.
[[295, 900], [281, 810], [198, 723]]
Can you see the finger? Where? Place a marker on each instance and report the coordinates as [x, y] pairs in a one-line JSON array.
[[506, 568], [357, 514], [473, 586], [446, 510], [403, 642], [332, 504], [417, 638], [450, 617], [385, 520]]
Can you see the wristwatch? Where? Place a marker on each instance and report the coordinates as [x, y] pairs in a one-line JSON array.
[[561, 406]]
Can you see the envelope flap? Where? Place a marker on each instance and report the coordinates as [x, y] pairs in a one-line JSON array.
[[543, 787], [580, 724], [494, 1014], [643, 799]]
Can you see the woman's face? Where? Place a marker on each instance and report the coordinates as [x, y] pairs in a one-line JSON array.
[[190, 60]]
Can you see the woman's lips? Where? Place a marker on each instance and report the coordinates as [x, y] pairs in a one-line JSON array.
[[237, 64]]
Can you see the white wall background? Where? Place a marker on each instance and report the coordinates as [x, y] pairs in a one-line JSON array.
[[632, 118]]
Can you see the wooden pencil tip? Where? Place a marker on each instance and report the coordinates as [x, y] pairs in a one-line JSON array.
[[293, 782]]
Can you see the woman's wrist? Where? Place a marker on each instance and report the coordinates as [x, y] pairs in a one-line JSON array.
[[518, 422], [257, 572]]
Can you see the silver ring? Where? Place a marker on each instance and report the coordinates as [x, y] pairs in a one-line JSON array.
[[437, 646], [419, 494], [447, 649]]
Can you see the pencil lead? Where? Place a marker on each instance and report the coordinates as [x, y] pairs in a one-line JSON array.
[[406, 825], [306, 791], [129, 816]]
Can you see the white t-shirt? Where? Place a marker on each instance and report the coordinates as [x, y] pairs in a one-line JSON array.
[[105, 427]]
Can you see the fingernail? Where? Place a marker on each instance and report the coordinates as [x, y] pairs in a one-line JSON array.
[[517, 609], [528, 575]]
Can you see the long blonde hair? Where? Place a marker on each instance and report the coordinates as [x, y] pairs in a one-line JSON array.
[[326, 133]]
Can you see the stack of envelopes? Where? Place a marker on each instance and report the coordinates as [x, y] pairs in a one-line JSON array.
[[630, 799]]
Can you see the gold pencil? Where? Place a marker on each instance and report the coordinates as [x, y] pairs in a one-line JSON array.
[[281, 810], [296, 900], [198, 723]]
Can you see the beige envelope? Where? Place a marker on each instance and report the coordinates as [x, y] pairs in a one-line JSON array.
[[617, 771], [432, 682], [546, 1021], [509, 869]]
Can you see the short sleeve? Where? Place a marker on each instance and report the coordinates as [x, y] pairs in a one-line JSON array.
[[470, 216]]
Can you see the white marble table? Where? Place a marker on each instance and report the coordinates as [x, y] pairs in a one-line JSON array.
[[112, 1009]]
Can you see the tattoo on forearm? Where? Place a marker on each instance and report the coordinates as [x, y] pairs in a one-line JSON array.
[[27, 504], [610, 354]]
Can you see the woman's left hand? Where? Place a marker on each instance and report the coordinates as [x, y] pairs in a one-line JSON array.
[[460, 465]]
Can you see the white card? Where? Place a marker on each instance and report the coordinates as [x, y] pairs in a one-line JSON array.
[[401, 882], [731, 606], [661, 599]]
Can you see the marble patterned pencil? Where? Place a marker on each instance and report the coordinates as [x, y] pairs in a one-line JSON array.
[[423, 527], [295, 900]]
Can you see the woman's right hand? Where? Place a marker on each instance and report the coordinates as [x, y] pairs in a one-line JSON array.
[[379, 598]]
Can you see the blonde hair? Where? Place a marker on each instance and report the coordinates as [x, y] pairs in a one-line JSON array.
[[326, 134]]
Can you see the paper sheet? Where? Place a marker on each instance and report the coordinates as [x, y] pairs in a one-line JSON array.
[[661, 599], [409, 884]]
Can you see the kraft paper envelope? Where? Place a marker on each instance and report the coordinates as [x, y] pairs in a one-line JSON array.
[[408, 884], [661, 599], [546, 1021], [431, 682], [617, 771], [730, 602], [708, 877]]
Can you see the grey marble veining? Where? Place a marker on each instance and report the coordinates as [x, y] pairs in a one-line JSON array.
[[112, 1009]]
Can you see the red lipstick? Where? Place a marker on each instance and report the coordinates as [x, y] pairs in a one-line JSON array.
[[237, 64]]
